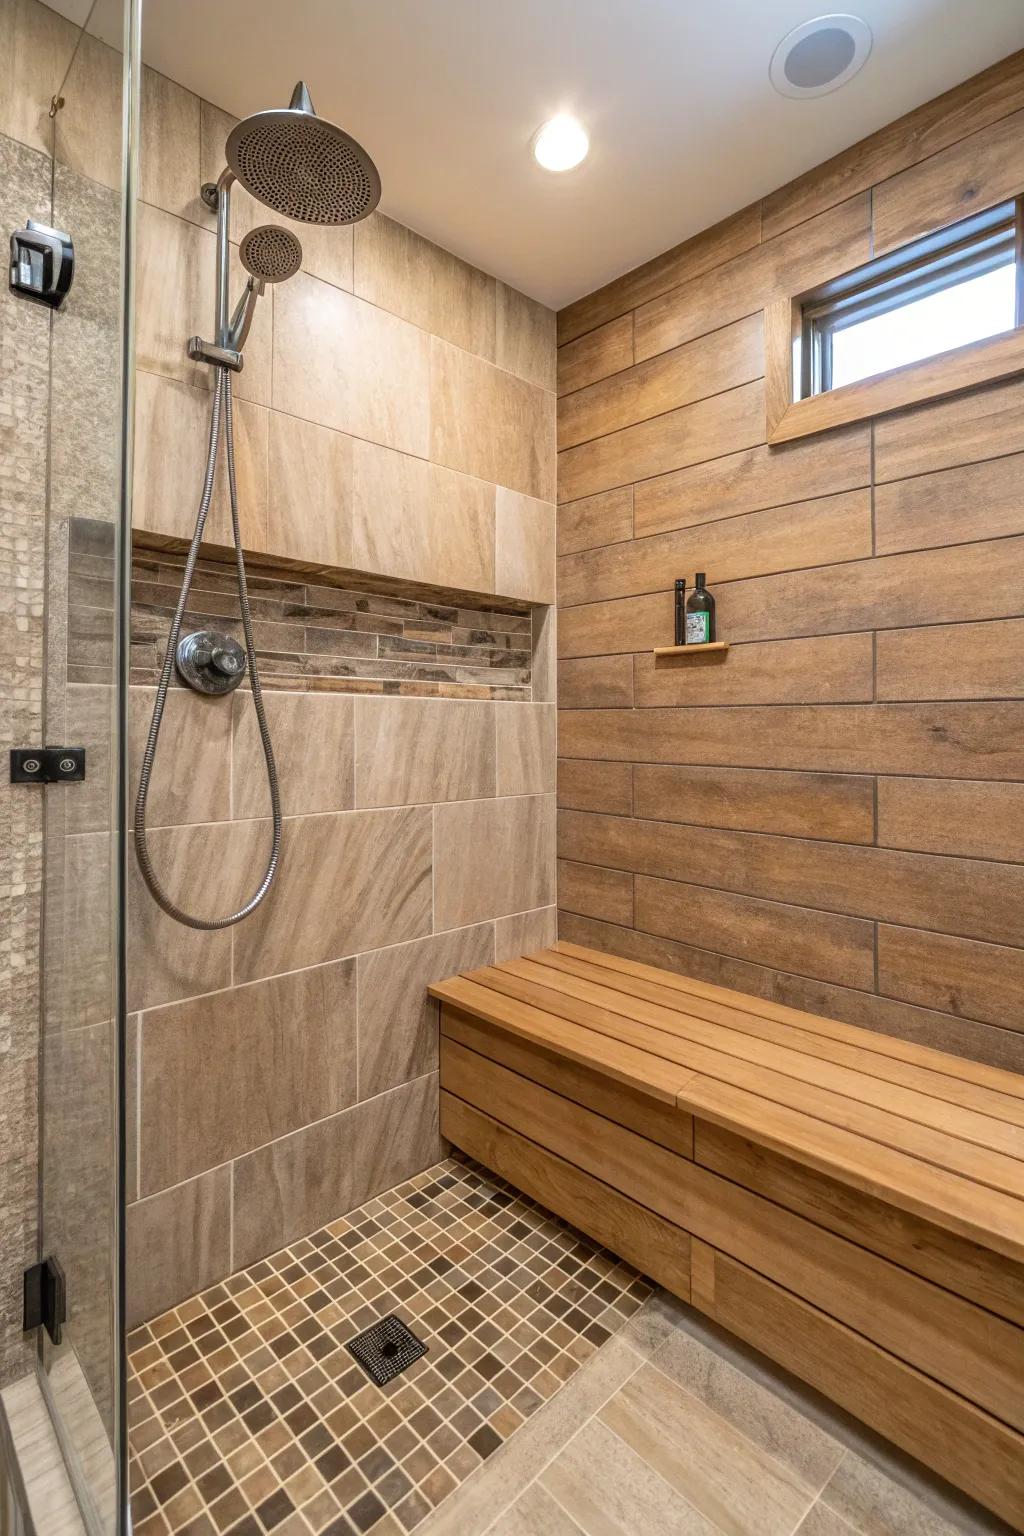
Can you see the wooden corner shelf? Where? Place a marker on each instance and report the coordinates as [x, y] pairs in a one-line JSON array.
[[691, 650]]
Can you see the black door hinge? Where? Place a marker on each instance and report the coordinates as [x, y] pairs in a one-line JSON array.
[[46, 1302], [47, 765]]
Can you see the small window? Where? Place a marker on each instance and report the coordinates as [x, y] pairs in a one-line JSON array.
[[941, 292]]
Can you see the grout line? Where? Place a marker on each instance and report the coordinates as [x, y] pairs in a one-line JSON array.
[[745, 834], [433, 869], [358, 810], [356, 969], [568, 1441], [259, 981], [138, 1104], [299, 1130], [231, 1217], [874, 948], [861, 918]]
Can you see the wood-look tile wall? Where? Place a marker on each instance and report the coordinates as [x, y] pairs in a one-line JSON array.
[[831, 814], [395, 418]]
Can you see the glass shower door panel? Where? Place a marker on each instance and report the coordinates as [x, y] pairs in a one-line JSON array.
[[79, 1191]]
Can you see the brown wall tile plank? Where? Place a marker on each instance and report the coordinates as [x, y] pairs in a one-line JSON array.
[[953, 661], [752, 479], [820, 670], [784, 538], [837, 807], [595, 355], [703, 430], [929, 509], [982, 169], [978, 899], [793, 261], [596, 787], [766, 932], [625, 624], [981, 425], [603, 519], [707, 366], [979, 820], [973, 981], [962, 741], [595, 892], [599, 682], [932, 586]]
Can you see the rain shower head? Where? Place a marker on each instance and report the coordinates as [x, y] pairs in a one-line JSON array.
[[271, 254], [302, 167]]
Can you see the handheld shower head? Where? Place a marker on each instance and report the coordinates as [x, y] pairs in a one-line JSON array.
[[271, 254], [302, 167]]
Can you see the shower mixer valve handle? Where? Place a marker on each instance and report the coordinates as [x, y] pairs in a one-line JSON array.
[[210, 662]]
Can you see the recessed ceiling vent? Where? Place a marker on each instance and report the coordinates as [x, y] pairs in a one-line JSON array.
[[820, 55]]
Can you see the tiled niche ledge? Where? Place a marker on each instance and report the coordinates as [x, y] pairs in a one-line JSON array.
[[322, 629]]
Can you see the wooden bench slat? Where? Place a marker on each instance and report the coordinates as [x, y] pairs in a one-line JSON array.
[[961, 1124], [689, 1046], [960, 1068], [638, 1069], [925, 1247], [982, 1215], [552, 1068], [860, 1056]]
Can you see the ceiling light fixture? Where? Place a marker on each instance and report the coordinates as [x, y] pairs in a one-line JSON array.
[[561, 143], [820, 55]]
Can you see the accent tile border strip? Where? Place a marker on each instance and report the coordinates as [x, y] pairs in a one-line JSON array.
[[310, 635]]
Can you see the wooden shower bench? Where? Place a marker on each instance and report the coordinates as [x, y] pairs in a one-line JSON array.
[[848, 1203]]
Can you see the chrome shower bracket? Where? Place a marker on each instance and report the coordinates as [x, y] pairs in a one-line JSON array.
[[222, 351], [201, 351]]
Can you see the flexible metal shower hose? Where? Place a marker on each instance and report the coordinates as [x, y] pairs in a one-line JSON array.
[[221, 413]]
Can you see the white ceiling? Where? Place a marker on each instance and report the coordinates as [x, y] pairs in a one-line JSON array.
[[684, 126]]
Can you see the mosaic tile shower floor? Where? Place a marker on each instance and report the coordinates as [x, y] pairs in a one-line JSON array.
[[248, 1414]]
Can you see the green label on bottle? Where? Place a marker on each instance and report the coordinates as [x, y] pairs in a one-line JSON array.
[[696, 628]]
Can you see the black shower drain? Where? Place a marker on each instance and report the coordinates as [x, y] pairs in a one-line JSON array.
[[387, 1349]]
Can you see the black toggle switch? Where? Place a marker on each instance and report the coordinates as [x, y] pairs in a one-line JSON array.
[[47, 765]]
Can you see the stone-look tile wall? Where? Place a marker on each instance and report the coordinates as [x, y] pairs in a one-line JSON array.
[[395, 434], [58, 371], [24, 395]]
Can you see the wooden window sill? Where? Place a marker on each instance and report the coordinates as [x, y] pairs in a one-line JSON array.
[[948, 373]]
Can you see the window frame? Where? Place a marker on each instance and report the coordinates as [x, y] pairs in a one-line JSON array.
[[793, 351], [970, 248]]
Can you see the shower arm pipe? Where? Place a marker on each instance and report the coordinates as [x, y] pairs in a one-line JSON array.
[[222, 323]]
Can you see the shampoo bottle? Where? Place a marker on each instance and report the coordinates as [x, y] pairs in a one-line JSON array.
[[680, 610], [700, 614]]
